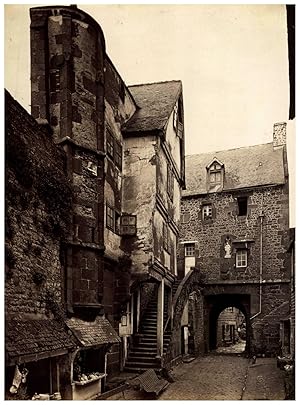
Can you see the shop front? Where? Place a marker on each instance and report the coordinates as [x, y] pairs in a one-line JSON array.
[[35, 350], [89, 362]]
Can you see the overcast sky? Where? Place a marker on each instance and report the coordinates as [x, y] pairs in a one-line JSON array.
[[231, 59]]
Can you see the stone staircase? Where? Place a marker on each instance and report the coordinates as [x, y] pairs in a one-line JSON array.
[[142, 355]]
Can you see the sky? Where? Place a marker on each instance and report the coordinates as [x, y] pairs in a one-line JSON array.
[[232, 61]]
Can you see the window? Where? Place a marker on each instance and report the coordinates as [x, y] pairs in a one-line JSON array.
[[178, 119], [215, 177], [175, 117], [170, 183], [110, 218], [206, 211], [166, 237], [117, 222], [189, 256], [114, 149], [128, 225], [242, 206], [215, 174], [241, 258], [109, 144], [189, 250], [118, 154]]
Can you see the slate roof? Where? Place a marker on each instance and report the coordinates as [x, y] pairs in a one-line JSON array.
[[27, 337], [244, 167], [156, 102], [94, 333]]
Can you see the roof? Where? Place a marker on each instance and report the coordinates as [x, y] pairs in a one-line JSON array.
[[34, 337], [156, 102], [244, 167], [94, 333]]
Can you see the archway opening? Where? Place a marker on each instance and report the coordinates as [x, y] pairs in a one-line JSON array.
[[231, 331], [215, 305]]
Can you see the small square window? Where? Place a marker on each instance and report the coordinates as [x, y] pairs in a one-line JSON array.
[[241, 258], [242, 206], [206, 211], [189, 249]]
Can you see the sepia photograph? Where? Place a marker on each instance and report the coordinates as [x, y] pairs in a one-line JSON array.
[[150, 189]]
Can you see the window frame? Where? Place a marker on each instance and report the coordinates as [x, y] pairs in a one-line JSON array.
[[215, 169], [170, 183], [166, 238], [242, 200], [110, 219], [206, 217], [118, 156], [240, 260], [189, 250], [110, 149]]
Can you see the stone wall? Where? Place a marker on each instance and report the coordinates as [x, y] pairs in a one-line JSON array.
[[211, 234], [267, 217], [38, 201]]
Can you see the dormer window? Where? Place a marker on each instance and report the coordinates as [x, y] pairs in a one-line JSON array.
[[215, 174]]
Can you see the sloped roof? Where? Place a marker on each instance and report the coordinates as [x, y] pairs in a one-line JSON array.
[[156, 102], [244, 167], [93, 333], [29, 337]]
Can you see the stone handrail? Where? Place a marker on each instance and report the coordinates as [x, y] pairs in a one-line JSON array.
[[192, 280]]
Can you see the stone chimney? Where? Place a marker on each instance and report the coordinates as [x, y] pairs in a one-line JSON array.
[[279, 134]]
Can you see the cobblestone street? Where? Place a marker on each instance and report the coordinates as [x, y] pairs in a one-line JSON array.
[[226, 377], [220, 377]]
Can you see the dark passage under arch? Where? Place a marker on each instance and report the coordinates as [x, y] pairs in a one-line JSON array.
[[215, 304]]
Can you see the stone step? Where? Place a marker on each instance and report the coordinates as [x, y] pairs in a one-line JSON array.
[[141, 364], [141, 359], [139, 370]]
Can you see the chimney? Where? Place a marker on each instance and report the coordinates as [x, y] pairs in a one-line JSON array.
[[279, 134]]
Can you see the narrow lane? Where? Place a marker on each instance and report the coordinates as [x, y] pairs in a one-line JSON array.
[[220, 377], [227, 377], [214, 377]]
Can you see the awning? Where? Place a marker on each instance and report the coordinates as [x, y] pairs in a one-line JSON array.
[[32, 340], [89, 334]]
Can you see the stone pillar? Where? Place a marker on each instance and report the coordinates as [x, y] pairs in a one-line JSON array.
[[160, 318]]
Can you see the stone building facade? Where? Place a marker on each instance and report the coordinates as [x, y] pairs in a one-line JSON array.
[[100, 193], [38, 200], [234, 230]]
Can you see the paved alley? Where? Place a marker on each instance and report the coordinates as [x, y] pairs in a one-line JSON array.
[[220, 377], [226, 377]]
